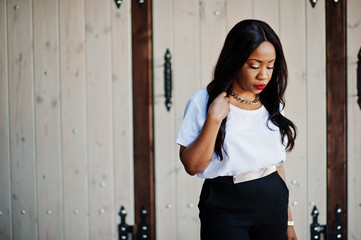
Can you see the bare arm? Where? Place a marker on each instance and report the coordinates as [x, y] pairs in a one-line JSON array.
[[291, 234], [197, 156]]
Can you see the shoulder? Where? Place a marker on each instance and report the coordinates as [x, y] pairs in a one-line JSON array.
[[199, 98], [201, 95]]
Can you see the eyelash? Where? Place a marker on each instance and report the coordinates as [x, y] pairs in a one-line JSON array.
[[271, 68]]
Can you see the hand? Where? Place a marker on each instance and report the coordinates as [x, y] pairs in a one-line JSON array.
[[291, 234], [219, 108]]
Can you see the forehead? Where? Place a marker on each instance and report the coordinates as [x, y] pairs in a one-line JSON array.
[[265, 51]]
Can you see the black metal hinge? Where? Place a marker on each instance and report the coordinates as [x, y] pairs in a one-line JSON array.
[[337, 233], [168, 80], [313, 2], [118, 3], [128, 232]]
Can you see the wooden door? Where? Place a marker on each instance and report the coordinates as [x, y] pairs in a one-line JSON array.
[[194, 31], [66, 133]]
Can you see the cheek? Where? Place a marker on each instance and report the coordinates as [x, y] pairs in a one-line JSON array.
[[247, 79], [270, 75], [251, 76]]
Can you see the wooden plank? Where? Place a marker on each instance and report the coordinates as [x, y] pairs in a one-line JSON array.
[[122, 110], [336, 110], [237, 10], [99, 117], [165, 150], [5, 178], [187, 53], [212, 35], [269, 11], [73, 119], [143, 113], [316, 111], [291, 33], [186, 56], [22, 133], [353, 120], [47, 115]]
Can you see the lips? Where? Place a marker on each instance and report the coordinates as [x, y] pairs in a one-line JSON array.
[[260, 86]]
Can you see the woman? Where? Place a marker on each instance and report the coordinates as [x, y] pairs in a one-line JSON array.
[[235, 136]]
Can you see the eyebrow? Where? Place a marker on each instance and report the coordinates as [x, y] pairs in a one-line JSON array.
[[261, 61]]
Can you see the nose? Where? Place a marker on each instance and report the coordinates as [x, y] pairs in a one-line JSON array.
[[262, 74]]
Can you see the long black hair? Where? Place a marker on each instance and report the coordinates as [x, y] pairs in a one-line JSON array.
[[240, 42]]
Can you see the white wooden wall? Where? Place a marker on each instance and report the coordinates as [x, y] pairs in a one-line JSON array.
[[66, 155], [354, 120], [194, 32]]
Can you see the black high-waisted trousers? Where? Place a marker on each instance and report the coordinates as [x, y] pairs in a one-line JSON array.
[[253, 210]]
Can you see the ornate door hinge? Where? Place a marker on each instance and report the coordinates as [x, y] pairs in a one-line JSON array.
[[118, 3], [316, 229], [128, 232], [313, 3], [168, 80]]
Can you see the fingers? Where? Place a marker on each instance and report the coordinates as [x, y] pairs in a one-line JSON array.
[[224, 95], [220, 107]]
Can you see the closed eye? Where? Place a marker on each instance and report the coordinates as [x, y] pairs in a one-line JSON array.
[[254, 67], [271, 67]]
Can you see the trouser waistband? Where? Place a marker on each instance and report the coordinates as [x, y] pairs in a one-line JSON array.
[[244, 177]]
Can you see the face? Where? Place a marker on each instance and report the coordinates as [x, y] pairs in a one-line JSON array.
[[256, 72]]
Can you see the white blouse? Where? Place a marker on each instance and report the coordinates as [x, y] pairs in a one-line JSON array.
[[251, 142]]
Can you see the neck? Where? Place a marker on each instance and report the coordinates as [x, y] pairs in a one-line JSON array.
[[240, 99], [244, 94]]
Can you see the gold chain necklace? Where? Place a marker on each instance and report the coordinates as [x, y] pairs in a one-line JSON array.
[[244, 101]]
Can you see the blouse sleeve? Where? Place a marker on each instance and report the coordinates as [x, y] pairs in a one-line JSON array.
[[194, 118]]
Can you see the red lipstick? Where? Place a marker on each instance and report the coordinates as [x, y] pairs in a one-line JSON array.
[[260, 86]]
